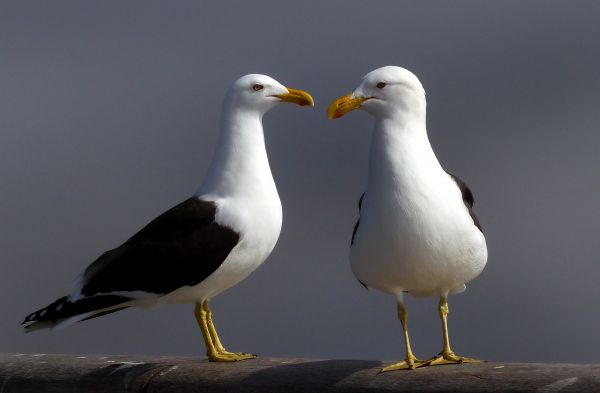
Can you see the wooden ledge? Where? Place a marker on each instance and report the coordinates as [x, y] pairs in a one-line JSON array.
[[25, 373]]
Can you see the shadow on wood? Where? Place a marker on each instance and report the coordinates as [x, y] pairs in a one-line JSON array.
[[25, 373]]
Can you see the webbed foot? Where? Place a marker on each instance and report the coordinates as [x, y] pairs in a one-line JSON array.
[[408, 364], [451, 358]]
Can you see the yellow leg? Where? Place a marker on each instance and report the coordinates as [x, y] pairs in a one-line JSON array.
[[211, 329], [215, 337], [411, 362], [214, 349], [447, 356]]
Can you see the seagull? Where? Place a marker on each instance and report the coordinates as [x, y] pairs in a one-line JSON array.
[[204, 245], [417, 232]]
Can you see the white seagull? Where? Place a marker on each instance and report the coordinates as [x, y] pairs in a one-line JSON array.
[[204, 245], [417, 232]]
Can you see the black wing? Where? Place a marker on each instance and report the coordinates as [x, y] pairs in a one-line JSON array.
[[63, 308], [181, 247], [468, 199], [357, 221], [356, 229]]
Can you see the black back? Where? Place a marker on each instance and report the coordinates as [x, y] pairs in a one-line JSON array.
[[181, 247]]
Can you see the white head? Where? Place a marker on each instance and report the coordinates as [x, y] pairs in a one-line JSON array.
[[260, 93], [385, 92]]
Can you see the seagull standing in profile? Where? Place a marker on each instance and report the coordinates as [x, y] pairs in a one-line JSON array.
[[206, 244], [417, 232]]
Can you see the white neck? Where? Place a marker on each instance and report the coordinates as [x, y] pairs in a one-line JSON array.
[[401, 155], [240, 165]]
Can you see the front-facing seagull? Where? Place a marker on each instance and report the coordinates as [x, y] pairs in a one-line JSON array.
[[204, 245], [417, 232]]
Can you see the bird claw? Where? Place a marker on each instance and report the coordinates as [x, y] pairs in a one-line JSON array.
[[223, 351], [408, 364], [451, 358], [230, 357]]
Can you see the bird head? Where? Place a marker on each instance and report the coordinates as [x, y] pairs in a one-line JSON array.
[[255, 92], [385, 92]]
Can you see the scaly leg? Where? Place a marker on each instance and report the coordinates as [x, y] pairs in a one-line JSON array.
[[447, 356], [215, 337], [211, 350], [411, 362]]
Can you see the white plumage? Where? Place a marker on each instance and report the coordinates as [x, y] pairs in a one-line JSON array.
[[240, 183], [202, 246], [417, 232]]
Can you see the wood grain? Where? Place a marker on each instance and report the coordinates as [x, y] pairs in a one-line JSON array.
[[25, 373]]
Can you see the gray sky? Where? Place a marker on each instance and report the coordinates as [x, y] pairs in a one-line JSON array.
[[109, 115]]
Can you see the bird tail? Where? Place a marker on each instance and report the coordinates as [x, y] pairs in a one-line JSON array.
[[64, 312]]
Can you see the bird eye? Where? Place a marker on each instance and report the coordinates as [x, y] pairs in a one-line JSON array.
[[258, 87], [381, 85]]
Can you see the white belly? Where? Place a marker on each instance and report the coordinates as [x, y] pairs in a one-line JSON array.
[[259, 226], [427, 247]]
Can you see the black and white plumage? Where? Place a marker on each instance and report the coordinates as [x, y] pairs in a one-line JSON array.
[[468, 199], [205, 244], [417, 231], [160, 258]]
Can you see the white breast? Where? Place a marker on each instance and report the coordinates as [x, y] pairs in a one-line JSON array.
[[424, 245], [258, 221], [259, 227], [415, 232], [240, 182]]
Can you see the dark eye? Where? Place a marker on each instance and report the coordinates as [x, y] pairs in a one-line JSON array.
[[381, 85], [258, 87]]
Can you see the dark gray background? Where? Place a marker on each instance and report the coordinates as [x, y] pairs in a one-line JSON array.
[[109, 115]]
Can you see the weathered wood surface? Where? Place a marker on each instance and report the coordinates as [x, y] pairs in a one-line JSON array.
[[25, 373]]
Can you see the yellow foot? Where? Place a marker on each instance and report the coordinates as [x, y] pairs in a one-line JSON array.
[[408, 364], [451, 358], [230, 357], [226, 352], [222, 351]]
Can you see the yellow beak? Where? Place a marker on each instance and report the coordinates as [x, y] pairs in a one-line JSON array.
[[298, 97], [343, 105]]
